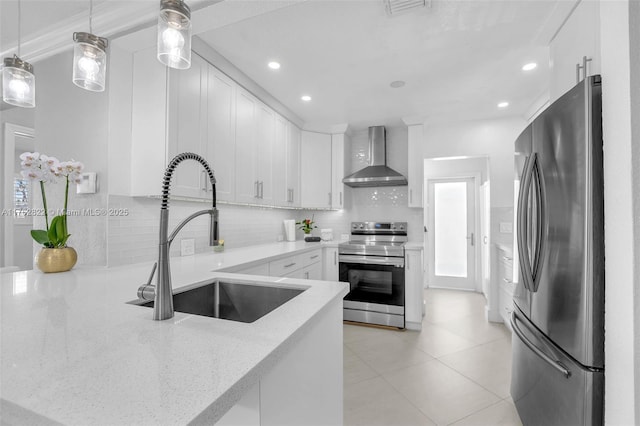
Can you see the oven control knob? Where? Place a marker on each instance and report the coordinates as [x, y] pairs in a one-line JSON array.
[[354, 226], [402, 227], [362, 226]]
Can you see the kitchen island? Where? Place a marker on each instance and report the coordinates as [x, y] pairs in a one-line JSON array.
[[74, 352]]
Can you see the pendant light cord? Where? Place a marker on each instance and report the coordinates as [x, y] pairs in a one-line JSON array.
[[90, 16], [19, 18]]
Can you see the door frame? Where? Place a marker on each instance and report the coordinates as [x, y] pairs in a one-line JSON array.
[[11, 131], [477, 181]]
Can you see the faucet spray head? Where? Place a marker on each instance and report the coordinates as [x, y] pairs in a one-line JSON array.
[[213, 227]]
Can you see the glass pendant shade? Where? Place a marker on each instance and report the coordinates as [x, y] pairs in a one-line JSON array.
[[89, 61], [174, 34], [18, 83]]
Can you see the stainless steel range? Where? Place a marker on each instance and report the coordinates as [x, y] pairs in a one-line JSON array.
[[372, 262]]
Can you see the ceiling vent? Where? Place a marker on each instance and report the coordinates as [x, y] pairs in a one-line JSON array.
[[397, 7]]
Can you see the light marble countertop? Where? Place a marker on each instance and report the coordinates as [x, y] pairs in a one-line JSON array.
[[74, 352]]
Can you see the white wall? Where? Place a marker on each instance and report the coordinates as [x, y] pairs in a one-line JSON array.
[[491, 138], [72, 123], [21, 117], [622, 197]]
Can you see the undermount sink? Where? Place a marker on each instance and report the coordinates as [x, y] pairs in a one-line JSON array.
[[230, 300]]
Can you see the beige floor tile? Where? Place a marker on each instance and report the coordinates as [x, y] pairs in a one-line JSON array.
[[375, 402], [355, 370], [489, 365], [501, 414], [437, 341], [388, 352], [477, 329], [441, 393], [447, 305]]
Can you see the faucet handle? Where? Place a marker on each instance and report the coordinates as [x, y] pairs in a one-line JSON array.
[[148, 291]]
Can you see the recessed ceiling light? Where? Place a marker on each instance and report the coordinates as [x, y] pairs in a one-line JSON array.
[[503, 104], [396, 84], [529, 66], [274, 65], [305, 98]]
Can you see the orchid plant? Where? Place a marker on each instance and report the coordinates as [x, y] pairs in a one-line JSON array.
[[45, 169], [306, 225]]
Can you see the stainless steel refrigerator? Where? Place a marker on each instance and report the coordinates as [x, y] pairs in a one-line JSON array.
[[558, 318]]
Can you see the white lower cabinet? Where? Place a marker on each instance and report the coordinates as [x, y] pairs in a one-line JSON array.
[[414, 288], [505, 283], [330, 261], [292, 393]]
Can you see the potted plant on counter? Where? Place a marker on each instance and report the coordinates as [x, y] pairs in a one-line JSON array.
[[55, 255], [307, 226]]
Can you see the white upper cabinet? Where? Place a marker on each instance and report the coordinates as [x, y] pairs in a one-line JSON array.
[[293, 165], [221, 135], [265, 151], [579, 37], [254, 152], [315, 163], [286, 164], [416, 165], [247, 190], [337, 171], [148, 124], [187, 129]]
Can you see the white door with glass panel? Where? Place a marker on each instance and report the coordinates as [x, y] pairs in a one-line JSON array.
[[451, 233]]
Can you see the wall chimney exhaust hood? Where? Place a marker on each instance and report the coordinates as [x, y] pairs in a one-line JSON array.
[[378, 173]]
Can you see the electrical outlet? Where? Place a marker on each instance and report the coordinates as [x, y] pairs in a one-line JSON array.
[[187, 246], [506, 227]]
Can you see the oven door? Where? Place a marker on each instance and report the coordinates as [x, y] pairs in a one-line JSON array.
[[376, 289]]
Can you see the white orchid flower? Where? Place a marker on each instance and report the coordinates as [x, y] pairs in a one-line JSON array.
[[29, 156], [32, 174]]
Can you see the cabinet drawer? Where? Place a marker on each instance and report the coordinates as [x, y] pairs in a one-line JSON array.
[[506, 305], [311, 257], [285, 266], [507, 284]]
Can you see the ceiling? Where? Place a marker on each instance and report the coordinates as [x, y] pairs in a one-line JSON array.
[[458, 58]]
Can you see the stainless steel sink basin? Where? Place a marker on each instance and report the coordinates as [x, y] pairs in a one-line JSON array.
[[231, 300]]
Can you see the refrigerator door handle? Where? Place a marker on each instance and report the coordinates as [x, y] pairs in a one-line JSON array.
[[541, 225], [522, 225], [555, 364]]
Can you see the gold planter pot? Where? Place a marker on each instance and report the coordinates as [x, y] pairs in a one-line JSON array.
[[56, 259]]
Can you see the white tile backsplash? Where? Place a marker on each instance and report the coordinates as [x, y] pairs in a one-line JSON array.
[[134, 237]]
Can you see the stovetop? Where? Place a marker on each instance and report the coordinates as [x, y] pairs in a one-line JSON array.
[[375, 239]]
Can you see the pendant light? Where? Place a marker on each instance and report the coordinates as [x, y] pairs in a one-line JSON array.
[[18, 81], [174, 34], [89, 58]]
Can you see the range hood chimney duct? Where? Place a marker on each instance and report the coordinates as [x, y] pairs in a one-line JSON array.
[[378, 173]]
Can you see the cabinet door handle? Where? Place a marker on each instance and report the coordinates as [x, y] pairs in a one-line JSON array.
[[507, 258], [407, 261], [506, 280], [313, 257], [335, 258], [329, 199], [289, 265], [340, 198], [255, 189], [306, 275]]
